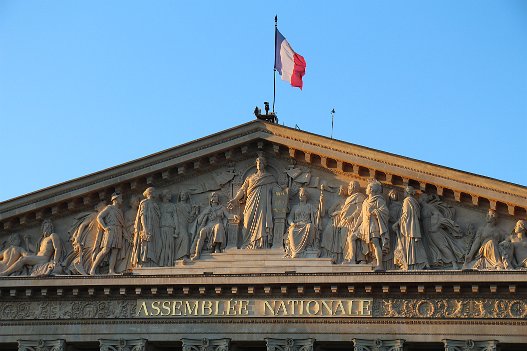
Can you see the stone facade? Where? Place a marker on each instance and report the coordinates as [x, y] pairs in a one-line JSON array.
[[269, 236]]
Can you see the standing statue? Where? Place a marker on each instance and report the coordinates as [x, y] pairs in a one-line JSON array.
[[125, 263], [11, 253], [409, 253], [47, 258], [168, 229], [331, 243], [186, 216], [111, 220], [84, 233], [146, 233], [374, 227], [212, 228], [514, 248], [303, 222], [395, 209], [257, 191], [484, 253], [354, 250], [443, 234]]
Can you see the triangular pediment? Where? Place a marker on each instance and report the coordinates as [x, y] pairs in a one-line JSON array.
[[223, 162]]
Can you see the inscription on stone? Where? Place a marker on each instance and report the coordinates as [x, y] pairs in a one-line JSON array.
[[254, 308]]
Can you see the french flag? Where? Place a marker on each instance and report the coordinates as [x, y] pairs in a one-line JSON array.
[[288, 63]]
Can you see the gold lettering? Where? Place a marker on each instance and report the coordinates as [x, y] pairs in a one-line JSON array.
[[243, 308], [308, 307], [281, 306], [293, 304], [217, 309], [339, 309], [365, 308], [206, 305], [166, 308], [143, 306], [155, 307], [268, 306], [176, 307], [329, 309], [231, 306], [191, 310]]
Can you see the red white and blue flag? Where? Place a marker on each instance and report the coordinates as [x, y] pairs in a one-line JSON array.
[[288, 63]]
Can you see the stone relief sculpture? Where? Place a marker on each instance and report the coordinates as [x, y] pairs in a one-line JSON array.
[[47, 259], [395, 209], [374, 227], [303, 221], [11, 253], [514, 248], [168, 231], [442, 233], [410, 253], [212, 228], [257, 192], [124, 263], [354, 249], [484, 253], [331, 242], [83, 237], [111, 220], [186, 226], [147, 232]]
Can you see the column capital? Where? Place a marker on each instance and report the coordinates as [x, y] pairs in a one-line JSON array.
[[470, 345], [289, 344], [42, 345], [206, 344], [378, 345], [122, 344]]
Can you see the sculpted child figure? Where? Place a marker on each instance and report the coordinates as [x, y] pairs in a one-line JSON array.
[[46, 259]]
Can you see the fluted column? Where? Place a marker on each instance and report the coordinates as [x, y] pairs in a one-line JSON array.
[[206, 344], [378, 345], [289, 344], [470, 345], [42, 345], [122, 344]]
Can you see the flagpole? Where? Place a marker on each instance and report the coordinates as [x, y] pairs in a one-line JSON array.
[[274, 69]]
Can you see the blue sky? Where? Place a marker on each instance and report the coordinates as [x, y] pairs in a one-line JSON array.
[[86, 85]]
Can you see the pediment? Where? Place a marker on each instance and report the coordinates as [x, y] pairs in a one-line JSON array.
[[222, 162]]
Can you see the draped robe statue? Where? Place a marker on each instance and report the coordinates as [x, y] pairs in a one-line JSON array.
[[257, 190], [147, 232], [410, 253], [186, 216], [169, 222]]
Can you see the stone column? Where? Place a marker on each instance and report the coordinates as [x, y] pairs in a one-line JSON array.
[[289, 344], [42, 345], [378, 345], [206, 344], [470, 345], [122, 345]]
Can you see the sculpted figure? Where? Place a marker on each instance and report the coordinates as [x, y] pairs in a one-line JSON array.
[[303, 226], [410, 253], [331, 243], [212, 224], [168, 229], [443, 234], [12, 252], [47, 258], [374, 227], [353, 249], [146, 233], [186, 216], [125, 262], [484, 253], [84, 233], [395, 209], [111, 220], [514, 248], [257, 214]]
